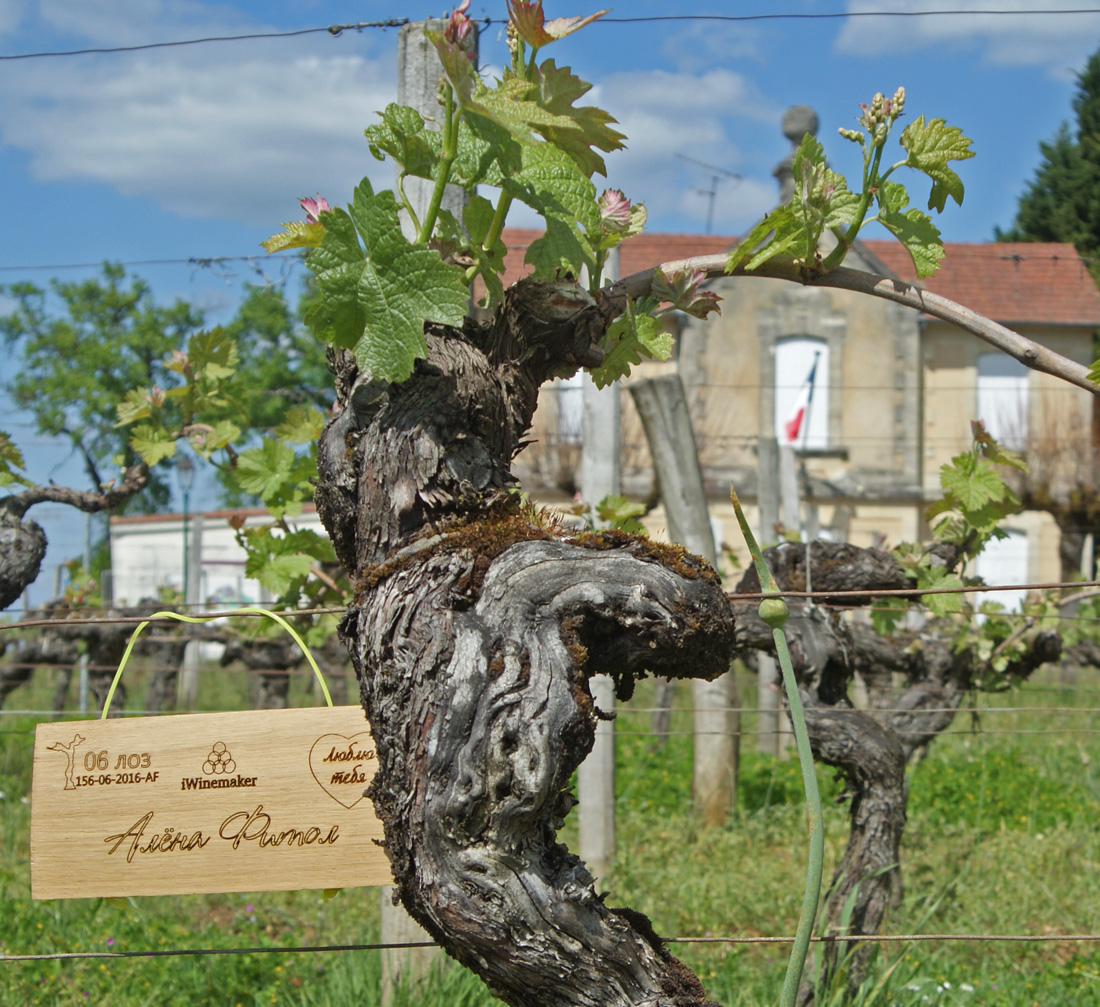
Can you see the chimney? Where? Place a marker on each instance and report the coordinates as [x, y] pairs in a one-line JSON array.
[[798, 120]]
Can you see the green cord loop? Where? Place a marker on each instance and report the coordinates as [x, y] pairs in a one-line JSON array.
[[775, 615], [198, 619]]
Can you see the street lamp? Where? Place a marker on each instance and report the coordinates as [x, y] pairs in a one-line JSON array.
[[185, 473]]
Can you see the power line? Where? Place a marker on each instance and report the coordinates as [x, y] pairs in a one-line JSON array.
[[196, 261], [335, 30], [338, 29], [206, 261]]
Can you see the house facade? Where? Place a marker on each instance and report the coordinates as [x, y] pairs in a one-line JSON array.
[[894, 394]]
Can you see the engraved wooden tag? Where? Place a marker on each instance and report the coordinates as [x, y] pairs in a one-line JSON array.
[[260, 800]]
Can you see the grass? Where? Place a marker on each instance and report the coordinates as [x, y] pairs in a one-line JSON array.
[[1002, 838]]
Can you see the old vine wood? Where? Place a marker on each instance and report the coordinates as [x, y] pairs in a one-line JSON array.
[[475, 627]]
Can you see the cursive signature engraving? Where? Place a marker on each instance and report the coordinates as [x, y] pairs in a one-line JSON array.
[[167, 841], [254, 826]]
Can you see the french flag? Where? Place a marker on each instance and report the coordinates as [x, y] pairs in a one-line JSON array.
[[793, 426]]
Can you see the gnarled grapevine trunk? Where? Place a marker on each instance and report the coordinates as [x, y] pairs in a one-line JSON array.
[[475, 626], [870, 748]]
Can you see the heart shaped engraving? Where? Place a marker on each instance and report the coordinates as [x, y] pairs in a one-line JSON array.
[[343, 766]]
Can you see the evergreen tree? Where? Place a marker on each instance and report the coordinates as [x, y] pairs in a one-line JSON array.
[[1062, 203]]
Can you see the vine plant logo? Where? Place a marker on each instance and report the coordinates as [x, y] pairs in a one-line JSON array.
[[69, 751]]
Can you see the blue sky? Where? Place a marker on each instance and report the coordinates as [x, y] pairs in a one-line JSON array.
[[201, 151]]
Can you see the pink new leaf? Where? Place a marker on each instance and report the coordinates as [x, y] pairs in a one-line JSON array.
[[681, 290]]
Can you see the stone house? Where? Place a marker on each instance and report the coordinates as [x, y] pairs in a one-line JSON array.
[[893, 398]]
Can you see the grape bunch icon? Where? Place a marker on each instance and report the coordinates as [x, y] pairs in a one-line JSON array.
[[219, 760]]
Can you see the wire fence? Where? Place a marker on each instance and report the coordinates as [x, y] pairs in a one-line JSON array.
[[328, 948], [968, 726], [60, 615]]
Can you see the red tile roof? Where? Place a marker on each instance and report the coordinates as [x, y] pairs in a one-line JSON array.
[[1014, 283], [636, 254]]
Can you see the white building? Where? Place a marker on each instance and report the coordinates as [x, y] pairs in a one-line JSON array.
[[147, 554]]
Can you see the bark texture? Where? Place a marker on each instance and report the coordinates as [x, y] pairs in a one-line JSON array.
[[23, 543], [22, 549], [475, 626]]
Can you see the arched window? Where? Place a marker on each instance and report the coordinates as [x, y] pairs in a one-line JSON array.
[[802, 392], [1002, 398]]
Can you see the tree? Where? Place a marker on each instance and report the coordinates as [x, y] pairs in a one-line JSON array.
[[280, 366], [1062, 203], [121, 339], [263, 364]]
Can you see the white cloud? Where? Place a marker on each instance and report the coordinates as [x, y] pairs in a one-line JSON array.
[[238, 131], [698, 115], [202, 134], [136, 22], [232, 130], [1059, 43], [706, 44]]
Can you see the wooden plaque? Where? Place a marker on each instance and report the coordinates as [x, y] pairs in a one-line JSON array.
[[260, 800]]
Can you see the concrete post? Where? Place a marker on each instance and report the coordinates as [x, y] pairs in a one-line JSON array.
[[662, 406], [767, 671], [600, 477], [789, 514], [192, 596], [418, 75], [403, 966]]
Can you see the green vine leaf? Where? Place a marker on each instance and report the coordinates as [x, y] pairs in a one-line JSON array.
[[544, 106], [279, 561], [11, 463], [213, 354], [376, 296], [930, 146], [822, 200], [935, 578], [302, 425], [887, 614], [531, 24], [633, 337], [152, 443], [911, 227], [209, 439], [136, 405], [552, 183], [278, 476], [403, 136], [587, 126], [972, 482], [618, 511], [296, 234], [683, 292]]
